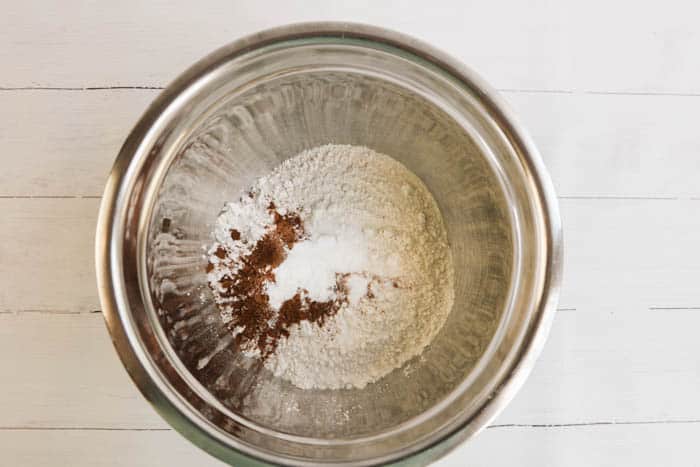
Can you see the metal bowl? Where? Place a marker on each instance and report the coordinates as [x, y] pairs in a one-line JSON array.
[[238, 113]]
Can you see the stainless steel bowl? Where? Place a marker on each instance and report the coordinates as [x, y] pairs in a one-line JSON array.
[[238, 113]]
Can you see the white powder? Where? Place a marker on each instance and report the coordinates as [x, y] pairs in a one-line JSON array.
[[312, 265], [369, 220]]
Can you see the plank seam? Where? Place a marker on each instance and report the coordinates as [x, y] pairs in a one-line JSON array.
[[596, 423], [599, 93], [48, 312], [79, 88], [574, 197], [503, 90], [50, 197], [78, 428], [496, 426]]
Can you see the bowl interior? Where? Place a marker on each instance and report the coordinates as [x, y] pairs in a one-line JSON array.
[[265, 107]]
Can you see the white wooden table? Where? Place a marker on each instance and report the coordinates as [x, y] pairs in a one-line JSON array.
[[610, 92]]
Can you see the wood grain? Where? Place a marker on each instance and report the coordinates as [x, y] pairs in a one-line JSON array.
[[603, 145], [521, 45], [588, 373], [620, 254], [47, 251], [623, 254], [66, 374], [63, 143], [48, 448], [583, 446], [610, 93], [650, 151], [606, 446]]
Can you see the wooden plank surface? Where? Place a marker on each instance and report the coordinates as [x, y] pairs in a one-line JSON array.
[[622, 46], [66, 374], [587, 373], [47, 251], [593, 145], [577, 446], [81, 133], [610, 93], [620, 254], [145, 448], [612, 356], [611, 145], [582, 446]]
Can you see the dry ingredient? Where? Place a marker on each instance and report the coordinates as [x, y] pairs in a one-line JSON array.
[[334, 268]]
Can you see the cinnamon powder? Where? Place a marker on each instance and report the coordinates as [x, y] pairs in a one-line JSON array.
[[255, 323]]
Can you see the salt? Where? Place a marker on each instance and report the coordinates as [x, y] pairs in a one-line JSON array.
[[312, 265]]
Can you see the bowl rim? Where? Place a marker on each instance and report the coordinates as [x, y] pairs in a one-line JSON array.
[[108, 251]]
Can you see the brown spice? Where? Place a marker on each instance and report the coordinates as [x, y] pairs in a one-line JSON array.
[[235, 234], [288, 228], [268, 252], [245, 292]]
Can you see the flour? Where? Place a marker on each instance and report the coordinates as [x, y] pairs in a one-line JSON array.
[[373, 245]]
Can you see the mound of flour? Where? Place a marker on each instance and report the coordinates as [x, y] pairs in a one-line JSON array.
[[370, 224]]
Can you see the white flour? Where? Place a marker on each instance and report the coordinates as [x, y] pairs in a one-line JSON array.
[[369, 220]]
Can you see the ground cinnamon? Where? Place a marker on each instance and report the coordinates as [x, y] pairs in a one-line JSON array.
[[254, 322]]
